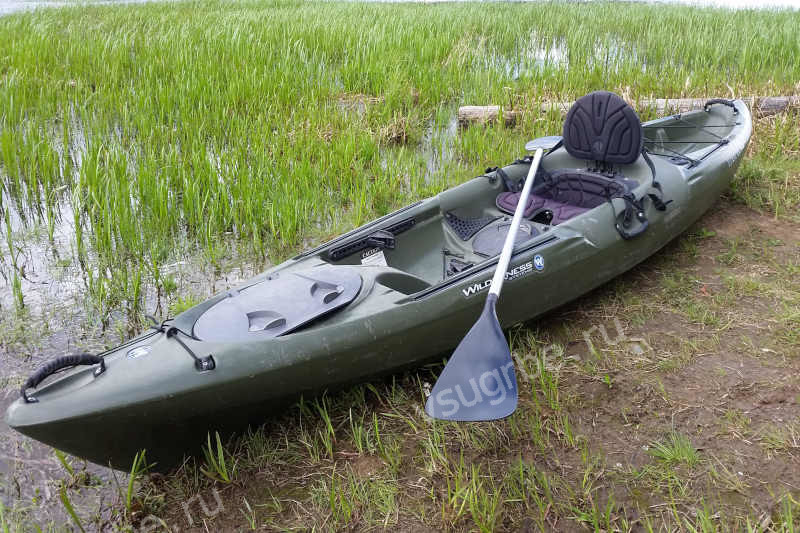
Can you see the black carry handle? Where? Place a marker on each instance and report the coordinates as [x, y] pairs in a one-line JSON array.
[[381, 238], [56, 365], [722, 101]]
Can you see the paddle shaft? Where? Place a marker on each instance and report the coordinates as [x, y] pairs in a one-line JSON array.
[[508, 246]]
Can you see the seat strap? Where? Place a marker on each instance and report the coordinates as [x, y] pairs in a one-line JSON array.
[[511, 185], [657, 199], [633, 208], [516, 186]]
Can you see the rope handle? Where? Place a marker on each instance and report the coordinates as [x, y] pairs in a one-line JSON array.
[[54, 366], [723, 101]]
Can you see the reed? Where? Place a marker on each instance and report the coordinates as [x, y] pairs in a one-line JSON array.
[[269, 125]]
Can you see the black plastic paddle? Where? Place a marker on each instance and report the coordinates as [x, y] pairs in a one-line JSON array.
[[479, 381]]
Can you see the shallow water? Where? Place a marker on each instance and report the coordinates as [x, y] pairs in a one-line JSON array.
[[733, 4], [57, 320], [730, 4], [438, 146], [533, 55]]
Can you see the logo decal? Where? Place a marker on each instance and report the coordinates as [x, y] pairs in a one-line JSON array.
[[514, 273], [538, 262], [374, 257], [475, 288], [371, 251]]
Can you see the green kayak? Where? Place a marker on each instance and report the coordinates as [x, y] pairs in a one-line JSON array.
[[398, 291]]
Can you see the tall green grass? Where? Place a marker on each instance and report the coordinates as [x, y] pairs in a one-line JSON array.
[[226, 127]]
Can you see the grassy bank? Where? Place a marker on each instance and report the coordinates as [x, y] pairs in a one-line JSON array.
[[233, 134]]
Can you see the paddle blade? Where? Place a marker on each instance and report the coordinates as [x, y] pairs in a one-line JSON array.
[[478, 382]]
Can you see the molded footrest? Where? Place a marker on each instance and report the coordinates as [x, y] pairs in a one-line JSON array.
[[465, 228]]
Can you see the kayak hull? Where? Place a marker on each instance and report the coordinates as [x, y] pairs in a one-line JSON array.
[[407, 310]]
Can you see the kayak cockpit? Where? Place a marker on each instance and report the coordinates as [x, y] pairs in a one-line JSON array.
[[467, 225], [602, 162]]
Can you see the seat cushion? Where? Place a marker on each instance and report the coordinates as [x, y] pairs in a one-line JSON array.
[[568, 193], [507, 202]]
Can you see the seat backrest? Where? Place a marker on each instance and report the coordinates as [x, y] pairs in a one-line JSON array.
[[601, 126]]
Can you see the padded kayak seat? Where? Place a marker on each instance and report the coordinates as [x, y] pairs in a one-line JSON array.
[[507, 202], [602, 128], [567, 193]]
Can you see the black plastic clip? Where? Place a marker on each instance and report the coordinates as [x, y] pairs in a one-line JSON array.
[[382, 239], [543, 216], [627, 235], [203, 364]]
